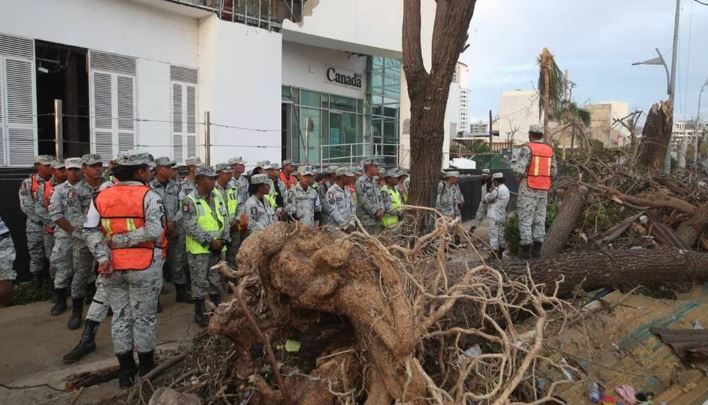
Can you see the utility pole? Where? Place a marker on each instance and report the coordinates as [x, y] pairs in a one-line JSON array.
[[672, 83], [491, 141], [207, 138], [58, 130]]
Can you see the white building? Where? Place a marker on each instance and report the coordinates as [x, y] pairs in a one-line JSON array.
[[146, 73], [518, 110]]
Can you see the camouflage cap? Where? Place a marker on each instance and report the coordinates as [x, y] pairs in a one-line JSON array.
[[134, 159], [393, 172], [453, 173], [356, 171], [165, 161], [344, 171], [262, 164], [91, 159], [204, 170], [290, 162], [330, 170], [486, 171], [369, 161], [193, 161], [536, 129], [275, 166], [259, 179], [498, 175], [236, 161], [57, 164], [44, 159], [305, 171], [74, 163], [223, 167], [151, 161]]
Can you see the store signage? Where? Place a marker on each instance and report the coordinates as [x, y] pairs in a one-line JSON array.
[[343, 77]]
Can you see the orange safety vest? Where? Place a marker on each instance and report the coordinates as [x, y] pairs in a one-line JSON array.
[[538, 176], [48, 190], [288, 181], [122, 210]]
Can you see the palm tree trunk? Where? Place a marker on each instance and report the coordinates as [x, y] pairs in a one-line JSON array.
[[546, 96]]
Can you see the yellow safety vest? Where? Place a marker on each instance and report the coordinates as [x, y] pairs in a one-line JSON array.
[[207, 222], [231, 202], [271, 200], [390, 221]]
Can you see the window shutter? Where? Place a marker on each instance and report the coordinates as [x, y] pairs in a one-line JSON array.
[[18, 122], [113, 103], [184, 109]]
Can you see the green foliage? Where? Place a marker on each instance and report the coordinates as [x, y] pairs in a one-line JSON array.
[[576, 113], [601, 217], [556, 84], [511, 232]]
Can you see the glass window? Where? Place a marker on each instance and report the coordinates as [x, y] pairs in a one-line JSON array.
[[342, 103], [310, 98], [310, 130]]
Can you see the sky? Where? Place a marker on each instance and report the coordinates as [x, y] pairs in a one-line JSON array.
[[596, 41]]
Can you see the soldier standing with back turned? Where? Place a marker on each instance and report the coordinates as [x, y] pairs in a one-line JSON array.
[[369, 206], [535, 166]]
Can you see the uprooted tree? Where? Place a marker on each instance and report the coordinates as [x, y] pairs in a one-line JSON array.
[[656, 135], [428, 91]]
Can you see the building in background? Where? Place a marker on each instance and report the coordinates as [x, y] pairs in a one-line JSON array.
[[260, 79], [518, 110], [603, 127], [479, 128]]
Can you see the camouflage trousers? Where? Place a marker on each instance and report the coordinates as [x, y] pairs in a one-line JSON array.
[[496, 234], [7, 258], [84, 266], [61, 261], [48, 241], [35, 247], [480, 215], [204, 280], [98, 310], [232, 249], [176, 256], [133, 295], [532, 218]]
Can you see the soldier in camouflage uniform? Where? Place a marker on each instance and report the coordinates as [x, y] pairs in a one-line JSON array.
[[303, 202], [206, 222], [239, 179], [391, 198], [369, 206], [229, 195], [338, 204], [449, 198], [532, 201], [497, 200], [7, 254], [482, 208], [189, 182], [125, 230], [404, 184], [170, 191], [42, 208], [34, 226], [259, 214], [65, 211]]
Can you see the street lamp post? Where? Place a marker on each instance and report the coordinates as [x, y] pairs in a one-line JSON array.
[[670, 78], [698, 123]]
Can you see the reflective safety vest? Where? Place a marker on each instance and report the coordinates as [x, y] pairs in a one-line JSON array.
[[289, 181], [538, 176], [48, 190], [122, 209], [271, 198], [231, 202], [390, 221], [210, 222]]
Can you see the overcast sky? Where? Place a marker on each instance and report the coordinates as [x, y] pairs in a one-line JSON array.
[[596, 41]]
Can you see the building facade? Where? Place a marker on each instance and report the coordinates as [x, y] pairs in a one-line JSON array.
[[518, 110], [217, 79]]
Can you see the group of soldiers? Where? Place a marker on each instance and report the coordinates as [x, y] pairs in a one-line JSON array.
[[113, 236], [534, 167]]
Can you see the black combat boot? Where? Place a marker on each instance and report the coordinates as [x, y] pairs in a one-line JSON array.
[[537, 246], [87, 343], [182, 295], [60, 304], [215, 298], [128, 369], [90, 291], [525, 251], [77, 311], [200, 317], [147, 362]]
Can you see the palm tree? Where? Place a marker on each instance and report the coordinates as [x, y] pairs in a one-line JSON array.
[[551, 88]]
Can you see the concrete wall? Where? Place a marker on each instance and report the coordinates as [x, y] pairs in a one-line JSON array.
[[117, 26], [240, 71], [305, 67], [154, 103], [517, 109]]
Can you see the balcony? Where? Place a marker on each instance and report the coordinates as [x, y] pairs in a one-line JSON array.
[[266, 14]]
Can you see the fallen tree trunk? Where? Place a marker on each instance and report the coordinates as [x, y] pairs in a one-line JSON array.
[[689, 230], [565, 221], [609, 268], [656, 135]]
